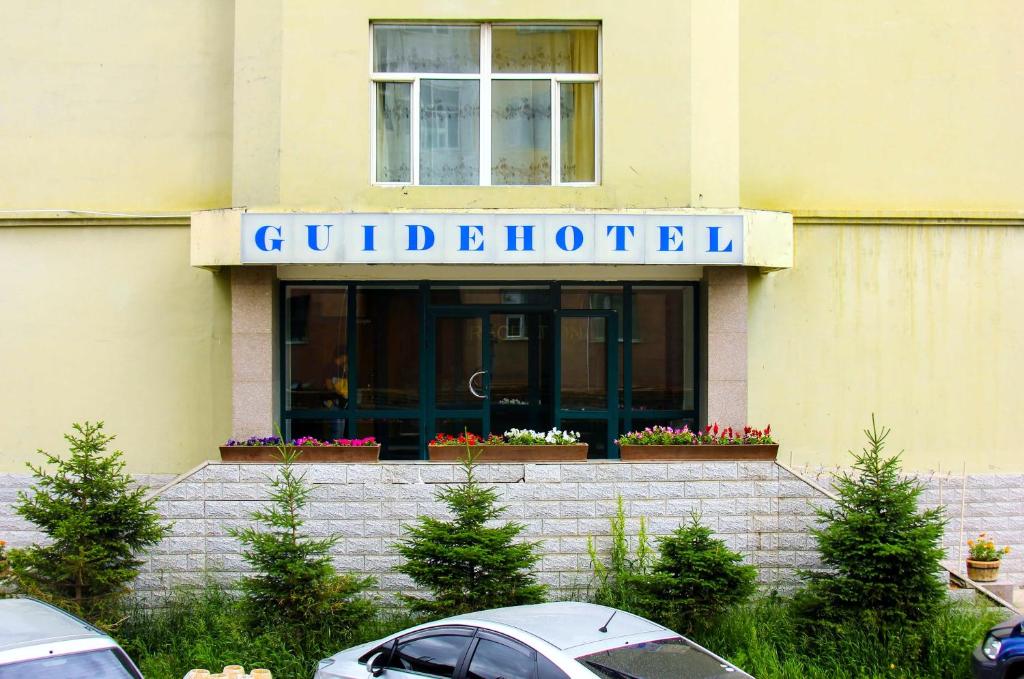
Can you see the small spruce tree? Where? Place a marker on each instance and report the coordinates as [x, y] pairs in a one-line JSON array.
[[881, 551], [465, 563], [294, 580], [97, 524]]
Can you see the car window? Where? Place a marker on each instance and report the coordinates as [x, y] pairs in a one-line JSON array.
[[437, 655], [548, 670], [492, 660], [103, 664], [664, 659]]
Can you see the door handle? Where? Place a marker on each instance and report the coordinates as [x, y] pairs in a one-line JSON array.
[[470, 384]]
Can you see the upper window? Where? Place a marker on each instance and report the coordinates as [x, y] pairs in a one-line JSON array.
[[488, 104]]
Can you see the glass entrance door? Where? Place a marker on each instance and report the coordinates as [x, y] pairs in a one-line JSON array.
[[587, 378], [521, 380], [460, 371]]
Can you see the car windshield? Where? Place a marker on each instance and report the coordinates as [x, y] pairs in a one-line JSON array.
[[663, 659], [103, 664]]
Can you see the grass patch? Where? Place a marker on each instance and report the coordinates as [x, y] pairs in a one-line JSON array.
[[208, 628], [762, 638]]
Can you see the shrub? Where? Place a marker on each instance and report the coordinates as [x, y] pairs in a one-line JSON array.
[[881, 551], [616, 583], [465, 563], [295, 580], [97, 525]]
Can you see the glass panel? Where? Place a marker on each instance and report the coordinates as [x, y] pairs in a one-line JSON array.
[[592, 432], [452, 295], [456, 426], [394, 136], [577, 131], [399, 438], [521, 132], [326, 429], [449, 132], [665, 659], [316, 358], [663, 338], [608, 297], [497, 661], [520, 383], [426, 49], [458, 356], [584, 364], [90, 665], [544, 49], [435, 655], [388, 331]]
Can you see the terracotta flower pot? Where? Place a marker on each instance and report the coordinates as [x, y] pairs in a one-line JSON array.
[[983, 571], [707, 452], [307, 453], [576, 452]]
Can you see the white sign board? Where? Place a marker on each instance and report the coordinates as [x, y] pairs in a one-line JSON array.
[[493, 238]]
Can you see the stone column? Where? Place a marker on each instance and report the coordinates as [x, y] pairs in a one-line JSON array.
[[252, 351], [725, 350]]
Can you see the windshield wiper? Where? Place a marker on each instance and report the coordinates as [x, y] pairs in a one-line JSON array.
[[611, 671]]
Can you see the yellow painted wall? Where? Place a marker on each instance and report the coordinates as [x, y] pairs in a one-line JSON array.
[[115, 105], [920, 325], [110, 323], [881, 105], [325, 106]]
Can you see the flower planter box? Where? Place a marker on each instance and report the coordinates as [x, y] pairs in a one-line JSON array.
[[706, 452], [308, 453], [983, 571], [576, 452]]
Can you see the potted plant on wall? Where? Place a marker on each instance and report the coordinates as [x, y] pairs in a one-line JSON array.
[[515, 445], [984, 559], [265, 449], [712, 443]]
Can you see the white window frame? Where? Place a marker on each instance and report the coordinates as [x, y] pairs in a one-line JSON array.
[[485, 78]]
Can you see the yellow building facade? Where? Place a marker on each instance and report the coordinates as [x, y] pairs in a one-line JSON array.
[[871, 151]]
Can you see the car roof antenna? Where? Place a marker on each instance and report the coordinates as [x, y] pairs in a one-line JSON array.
[[604, 628]]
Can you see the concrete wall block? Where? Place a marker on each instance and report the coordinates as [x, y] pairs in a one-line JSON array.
[[401, 473], [582, 472], [719, 470], [633, 490], [328, 473], [757, 471], [381, 564], [382, 528], [227, 473], [544, 510], [648, 471], [596, 491], [736, 489], [800, 506], [663, 525], [242, 491], [221, 545], [684, 506], [182, 544], [702, 489], [348, 564], [228, 509], [766, 488], [438, 473], [559, 527], [260, 473], [366, 546], [611, 471], [684, 471], [668, 490], [500, 473], [398, 510], [649, 508], [1000, 510], [738, 542], [559, 562], [543, 473], [735, 524], [573, 545]]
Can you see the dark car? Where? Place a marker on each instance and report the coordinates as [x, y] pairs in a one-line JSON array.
[[1001, 654]]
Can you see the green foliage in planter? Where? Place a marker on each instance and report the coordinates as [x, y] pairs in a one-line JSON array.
[[693, 580], [465, 563], [97, 524], [881, 551], [294, 579]]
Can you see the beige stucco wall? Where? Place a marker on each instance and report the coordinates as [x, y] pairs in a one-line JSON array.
[[115, 105], [920, 325], [881, 105], [109, 323]]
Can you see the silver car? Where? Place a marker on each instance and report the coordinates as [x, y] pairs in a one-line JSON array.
[[43, 642], [564, 640]]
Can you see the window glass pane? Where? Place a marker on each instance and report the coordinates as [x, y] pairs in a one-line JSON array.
[[521, 132], [663, 339], [592, 432], [545, 49], [449, 132], [456, 426], [577, 131], [492, 660], [664, 659], [436, 655], [316, 348], [394, 146], [458, 359], [584, 363], [326, 429], [90, 665], [388, 331], [442, 294], [426, 49], [399, 439]]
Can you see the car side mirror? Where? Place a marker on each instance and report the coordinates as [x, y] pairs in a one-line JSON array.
[[376, 664]]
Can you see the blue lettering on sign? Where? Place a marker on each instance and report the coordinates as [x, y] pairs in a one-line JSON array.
[[261, 238], [313, 239], [414, 240], [620, 235], [713, 240], [368, 237], [514, 237], [469, 238], [562, 242], [669, 236]]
